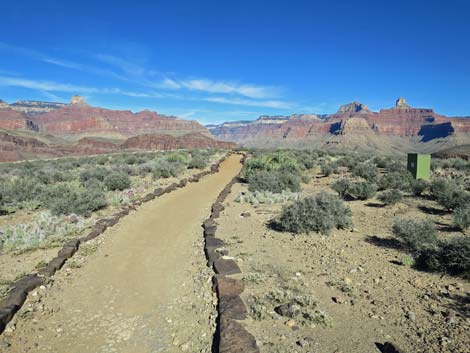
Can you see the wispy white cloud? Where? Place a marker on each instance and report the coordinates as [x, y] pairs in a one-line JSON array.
[[247, 90], [144, 82], [45, 86], [128, 67], [253, 103], [52, 86], [146, 76]]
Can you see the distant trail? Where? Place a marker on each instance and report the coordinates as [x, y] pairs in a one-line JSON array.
[[145, 289]]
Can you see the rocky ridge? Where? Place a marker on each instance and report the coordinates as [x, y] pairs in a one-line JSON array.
[[400, 128], [40, 129]]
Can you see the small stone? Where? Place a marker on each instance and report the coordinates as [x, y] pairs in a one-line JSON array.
[[411, 316], [184, 347], [290, 323], [338, 300], [4, 344]]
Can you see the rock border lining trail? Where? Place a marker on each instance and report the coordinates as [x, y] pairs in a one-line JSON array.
[[19, 290], [230, 336]]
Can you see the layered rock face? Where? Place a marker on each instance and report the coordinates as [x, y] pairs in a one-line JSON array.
[[27, 124], [82, 120], [400, 125], [79, 119], [31, 108], [168, 142]]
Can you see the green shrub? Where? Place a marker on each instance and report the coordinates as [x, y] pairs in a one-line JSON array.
[[416, 235], [431, 253], [198, 162], [272, 162], [451, 256], [360, 190], [117, 181], [273, 181], [462, 217], [65, 199], [164, 169], [21, 189], [449, 194], [307, 159], [326, 169], [44, 229], [400, 180], [93, 174], [267, 197], [178, 157], [366, 171], [391, 197], [419, 186], [342, 187], [455, 256], [321, 213]]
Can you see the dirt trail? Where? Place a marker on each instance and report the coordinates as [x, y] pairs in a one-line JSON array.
[[145, 289]]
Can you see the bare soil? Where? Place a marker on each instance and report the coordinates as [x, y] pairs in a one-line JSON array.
[[352, 282], [143, 286]]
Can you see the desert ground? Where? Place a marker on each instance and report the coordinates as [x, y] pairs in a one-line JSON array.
[[353, 280], [145, 285]]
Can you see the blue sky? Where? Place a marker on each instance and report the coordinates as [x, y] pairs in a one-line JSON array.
[[229, 60]]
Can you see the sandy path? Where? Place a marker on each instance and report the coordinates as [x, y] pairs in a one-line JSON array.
[[145, 289]]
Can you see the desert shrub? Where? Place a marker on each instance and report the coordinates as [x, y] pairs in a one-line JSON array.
[[362, 190], [381, 162], [342, 187], [454, 256], [271, 162], [88, 176], [419, 186], [451, 256], [326, 169], [144, 169], [101, 160], [366, 171], [320, 213], [130, 159], [66, 199], [348, 161], [400, 180], [266, 197], [449, 194], [430, 253], [359, 190], [416, 235], [21, 189], [44, 228], [178, 157], [307, 159], [198, 162], [462, 216], [117, 181], [391, 197], [164, 169], [273, 181]]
